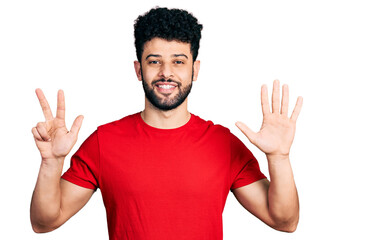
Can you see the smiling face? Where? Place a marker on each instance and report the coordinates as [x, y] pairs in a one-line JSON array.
[[167, 72]]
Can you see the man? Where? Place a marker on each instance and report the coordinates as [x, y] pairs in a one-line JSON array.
[[165, 173]]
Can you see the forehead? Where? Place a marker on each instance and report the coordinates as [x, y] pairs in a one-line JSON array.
[[165, 48]]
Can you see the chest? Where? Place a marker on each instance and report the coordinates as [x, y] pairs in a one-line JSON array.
[[150, 170]]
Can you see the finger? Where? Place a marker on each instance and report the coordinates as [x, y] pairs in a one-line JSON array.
[[36, 134], [42, 130], [251, 135], [44, 104], [264, 100], [298, 107], [60, 111], [275, 97], [77, 125], [285, 100]]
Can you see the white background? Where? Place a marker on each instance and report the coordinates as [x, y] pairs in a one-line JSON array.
[[324, 50]]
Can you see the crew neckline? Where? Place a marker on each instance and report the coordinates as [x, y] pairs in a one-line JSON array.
[[190, 122]]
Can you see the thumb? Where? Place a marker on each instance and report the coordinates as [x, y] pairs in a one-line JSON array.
[[251, 135], [77, 125]]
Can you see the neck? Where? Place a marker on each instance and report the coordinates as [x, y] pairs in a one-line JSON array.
[[165, 119]]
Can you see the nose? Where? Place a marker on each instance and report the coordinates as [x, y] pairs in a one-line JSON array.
[[166, 71]]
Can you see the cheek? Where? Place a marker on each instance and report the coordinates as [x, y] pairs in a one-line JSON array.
[[149, 74], [184, 74]]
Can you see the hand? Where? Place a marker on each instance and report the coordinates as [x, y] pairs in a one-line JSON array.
[[52, 138], [277, 131]]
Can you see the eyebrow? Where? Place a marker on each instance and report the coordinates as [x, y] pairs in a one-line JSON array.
[[180, 55], [153, 55], [173, 55]]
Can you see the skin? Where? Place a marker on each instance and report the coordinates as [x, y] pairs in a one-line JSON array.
[[55, 200], [159, 61], [276, 202]]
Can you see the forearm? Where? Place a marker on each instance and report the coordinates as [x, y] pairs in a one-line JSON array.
[[45, 203], [282, 196]]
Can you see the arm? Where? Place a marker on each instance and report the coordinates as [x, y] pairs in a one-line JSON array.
[[55, 200], [275, 202]]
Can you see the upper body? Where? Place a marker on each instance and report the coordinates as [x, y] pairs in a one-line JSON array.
[[167, 67], [163, 183]]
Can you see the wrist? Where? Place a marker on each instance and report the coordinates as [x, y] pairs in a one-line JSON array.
[[278, 157], [52, 163]]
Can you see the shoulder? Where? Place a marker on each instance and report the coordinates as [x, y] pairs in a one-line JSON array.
[[112, 132], [127, 120], [211, 126], [219, 130]]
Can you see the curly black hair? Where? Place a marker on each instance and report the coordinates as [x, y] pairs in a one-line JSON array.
[[169, 24]]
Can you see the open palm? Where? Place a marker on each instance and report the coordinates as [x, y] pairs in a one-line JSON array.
[[277, 130]]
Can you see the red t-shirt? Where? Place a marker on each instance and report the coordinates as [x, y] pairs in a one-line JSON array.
[[163, 183]]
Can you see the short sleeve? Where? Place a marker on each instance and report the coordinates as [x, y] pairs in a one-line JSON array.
[[244, 166], [84, 165]]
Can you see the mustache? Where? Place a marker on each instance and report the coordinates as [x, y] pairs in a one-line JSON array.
[[164, 80]]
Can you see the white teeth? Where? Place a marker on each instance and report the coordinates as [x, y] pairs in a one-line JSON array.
[[166, 86]]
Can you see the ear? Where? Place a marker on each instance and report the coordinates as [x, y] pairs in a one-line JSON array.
[[196, 69], [137, 68]]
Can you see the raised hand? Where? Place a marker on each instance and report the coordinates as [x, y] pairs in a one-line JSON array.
[[52, 138], [278, 130]]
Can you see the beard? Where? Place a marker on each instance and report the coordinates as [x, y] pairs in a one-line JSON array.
[[168, 103]]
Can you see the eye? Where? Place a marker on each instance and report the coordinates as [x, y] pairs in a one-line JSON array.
[[153, 62], [179, 62]]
